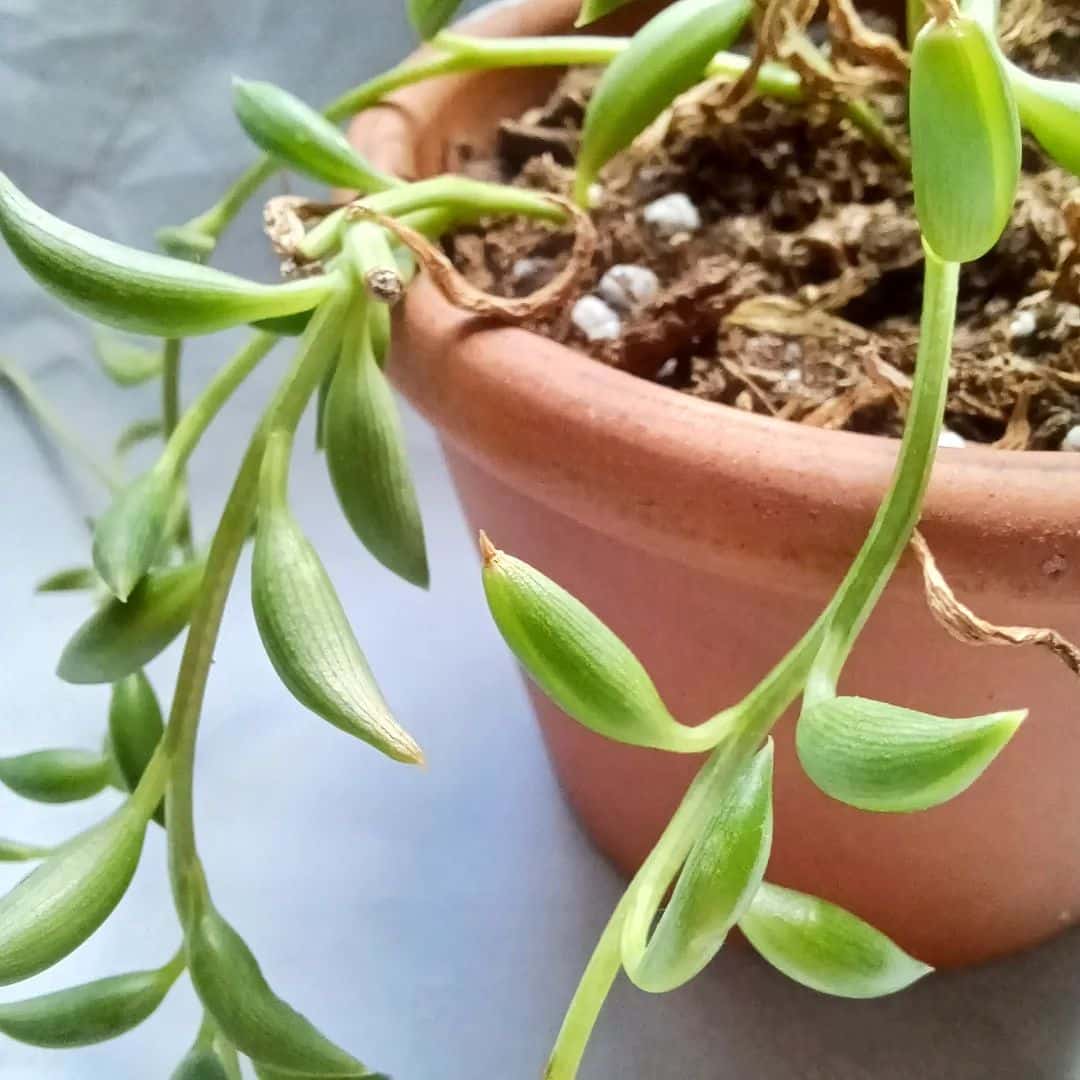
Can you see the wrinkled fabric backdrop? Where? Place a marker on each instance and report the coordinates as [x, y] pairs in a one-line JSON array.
[[435, 922]]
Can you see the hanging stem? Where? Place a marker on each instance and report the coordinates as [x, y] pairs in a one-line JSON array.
[[170, 417], [736, 732], [177, 749], [185, 434], [459, 54], [899, 513], [55, 425]]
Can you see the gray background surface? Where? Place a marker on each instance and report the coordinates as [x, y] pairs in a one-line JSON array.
[[434, 922]]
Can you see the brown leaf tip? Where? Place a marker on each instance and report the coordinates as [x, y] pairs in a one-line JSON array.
[[487, 549]]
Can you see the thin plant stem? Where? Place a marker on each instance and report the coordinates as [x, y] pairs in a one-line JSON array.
[[178, 745], [55, 425], [185, 435], [170, 417], [460, 54], [737, 731], [589, 997], [899, 512], [175, 966]]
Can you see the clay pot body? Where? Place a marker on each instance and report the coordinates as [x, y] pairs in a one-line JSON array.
[[709, 539]]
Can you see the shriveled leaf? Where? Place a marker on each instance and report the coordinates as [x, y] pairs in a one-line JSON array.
[[881, 757], [826, 948], [120, 638]]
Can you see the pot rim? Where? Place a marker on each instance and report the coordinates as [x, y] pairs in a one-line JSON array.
[[691, 480]]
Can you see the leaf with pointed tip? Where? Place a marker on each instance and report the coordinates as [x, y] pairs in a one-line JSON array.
[[91, 1013], [367, 460], [139, 431], [591, 10], [251, 1016], [119, 638], [826, 948], [73, 579], [135, 729], [15, 851], [55, 776], [186, 242], [57, 906], [200, 1063], [881, 757], [309, 641], [301, 138], [126, 363], [136, 290], [721, 875], [574, 657], [430, 16], [665, 57], [129, 535]]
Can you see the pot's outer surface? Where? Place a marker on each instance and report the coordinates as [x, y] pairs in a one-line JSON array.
[[709, 539]]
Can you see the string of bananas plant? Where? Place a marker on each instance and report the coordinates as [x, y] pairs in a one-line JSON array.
[[706, 874]]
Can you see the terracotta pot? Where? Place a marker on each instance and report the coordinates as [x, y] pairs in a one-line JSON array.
[[709, 539]]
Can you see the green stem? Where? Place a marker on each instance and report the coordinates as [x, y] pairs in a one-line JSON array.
[[737, 731], [170, 416], [899, 512], [55, 425], [177, 749], [589, 998], [184, 435], [175, 967], [462, 54], [460, 199]]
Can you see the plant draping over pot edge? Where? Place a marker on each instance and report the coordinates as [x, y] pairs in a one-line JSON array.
[[349, 263]]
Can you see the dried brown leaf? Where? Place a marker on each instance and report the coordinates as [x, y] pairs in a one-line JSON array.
[[850, 34], [964, 625], [462, 293]]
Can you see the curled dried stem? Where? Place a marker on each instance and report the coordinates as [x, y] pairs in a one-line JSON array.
[[285, 222], [464, 294], [964, 625], [883, 51], [942, 10], [775, 19]]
